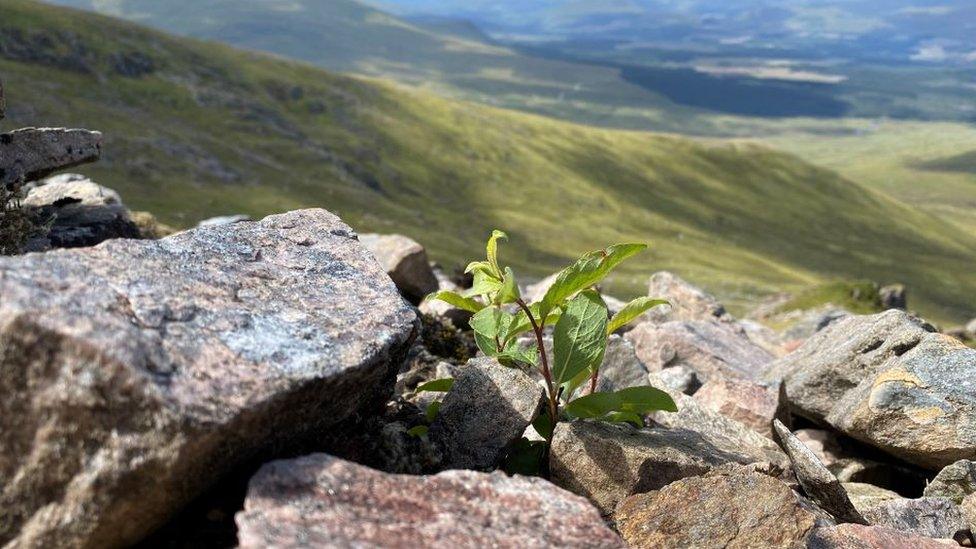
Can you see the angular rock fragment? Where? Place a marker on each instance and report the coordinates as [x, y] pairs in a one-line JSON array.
[[32, 153], [710, 348], [136, 373], [322, 501], [731, 507], [968, 509], [688, 302], [437, 308], [865, 496], [607, 462], [752, 403], [406, 262], [856, 536], [819, 484], [680, 379], [888, 381], [487, 410], [955, 482], [930, 517]]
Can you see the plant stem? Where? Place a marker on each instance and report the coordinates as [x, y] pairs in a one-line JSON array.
[[546, 372], [593, 380]]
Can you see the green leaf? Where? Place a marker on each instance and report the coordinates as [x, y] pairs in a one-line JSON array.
[[418, 431], [492, 247], [521, 324], [478, 266], [509, 291], [490, 326], [526, 457], [580, 337], [633, 310], [571, 386], [457, 300], [544, 425], [625, 417], [484, 283], [587, 271], [436, 386], [432, 410], [516, 353], [596, 405], [644, 400]]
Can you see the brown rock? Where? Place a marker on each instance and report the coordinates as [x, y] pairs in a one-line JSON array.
[[865, 496], [322, 501], [136, 373], [405, 261], [751, 403], [32, 153], [726, 508], [688, 302], [968, 509], [856, 536], [929, 517]]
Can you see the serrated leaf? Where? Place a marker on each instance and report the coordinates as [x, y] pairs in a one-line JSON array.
[[490, 326], [644, 400], [580, 337], [587, 271], [492, 250], [432, 410], [457, 300], [509, 291], [419, 431], [436, 386], [633, 310]]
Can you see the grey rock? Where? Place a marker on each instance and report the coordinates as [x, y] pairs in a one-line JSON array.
[[322, 501], [819, 484], [681, 379], [224, 220], [437, 308], [889, 381], [621, 368], [968, 509], [955, 482], [971, 328], [710, 348], [535, 292], [894, 296], [752, 403], [688, 302], [405, 261], [857, 536], [803, 324], [33, 153], [865, 496], [137, 373], [487, 410], [607, 462], [79, 212], [929, 517], [3, 103]]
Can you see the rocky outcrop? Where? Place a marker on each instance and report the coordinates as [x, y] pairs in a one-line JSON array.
[[322, 501], [607, 462], [32, 153], [78, 212], [889, 381], [751, 403], [136, 373], [487, 409], [710, 348], [732, 507], [405, 261], [856, 536], [929, 517], [817, 482], [955, 482]]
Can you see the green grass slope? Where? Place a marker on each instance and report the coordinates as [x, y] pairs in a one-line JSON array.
[[196, 129]]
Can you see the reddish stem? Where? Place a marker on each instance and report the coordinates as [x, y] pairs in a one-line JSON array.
[[546, 372]]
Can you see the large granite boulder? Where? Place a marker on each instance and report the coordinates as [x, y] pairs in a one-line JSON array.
[[888, 380], [136, 373], [322, 501], [405, 261], [487, 409], [607, 462], [730, 507], [81, 212], [712, 349]]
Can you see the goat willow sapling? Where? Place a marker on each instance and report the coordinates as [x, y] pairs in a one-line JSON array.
[[581, 326]]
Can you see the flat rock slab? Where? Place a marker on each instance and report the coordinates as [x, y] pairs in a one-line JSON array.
[[322, 501], [33, 153], [929, 517], [135, 373], [751, 403], [732, 507], [890, 382], [856, 536]]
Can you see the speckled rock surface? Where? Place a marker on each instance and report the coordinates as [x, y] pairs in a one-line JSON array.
[[322, 501], [929, 517], [856, 536], [864, 496], [135, 373], [818, 483], [751, 403], [710, 348], [607, 463], [688, 302], [968, 509], [889, 381], [726, 508], [405, 261], [32, 153], [955, 482], [487, 410]]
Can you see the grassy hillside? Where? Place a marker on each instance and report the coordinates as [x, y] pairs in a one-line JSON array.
[[196, 129]]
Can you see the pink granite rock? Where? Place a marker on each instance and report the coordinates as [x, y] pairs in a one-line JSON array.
[[751, 403]]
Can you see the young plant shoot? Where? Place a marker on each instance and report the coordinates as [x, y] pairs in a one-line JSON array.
[[581, 327]]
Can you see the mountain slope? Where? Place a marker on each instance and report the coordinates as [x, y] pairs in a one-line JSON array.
[[196, 129]]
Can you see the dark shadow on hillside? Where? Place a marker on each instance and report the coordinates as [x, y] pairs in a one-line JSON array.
[[959, 163]]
